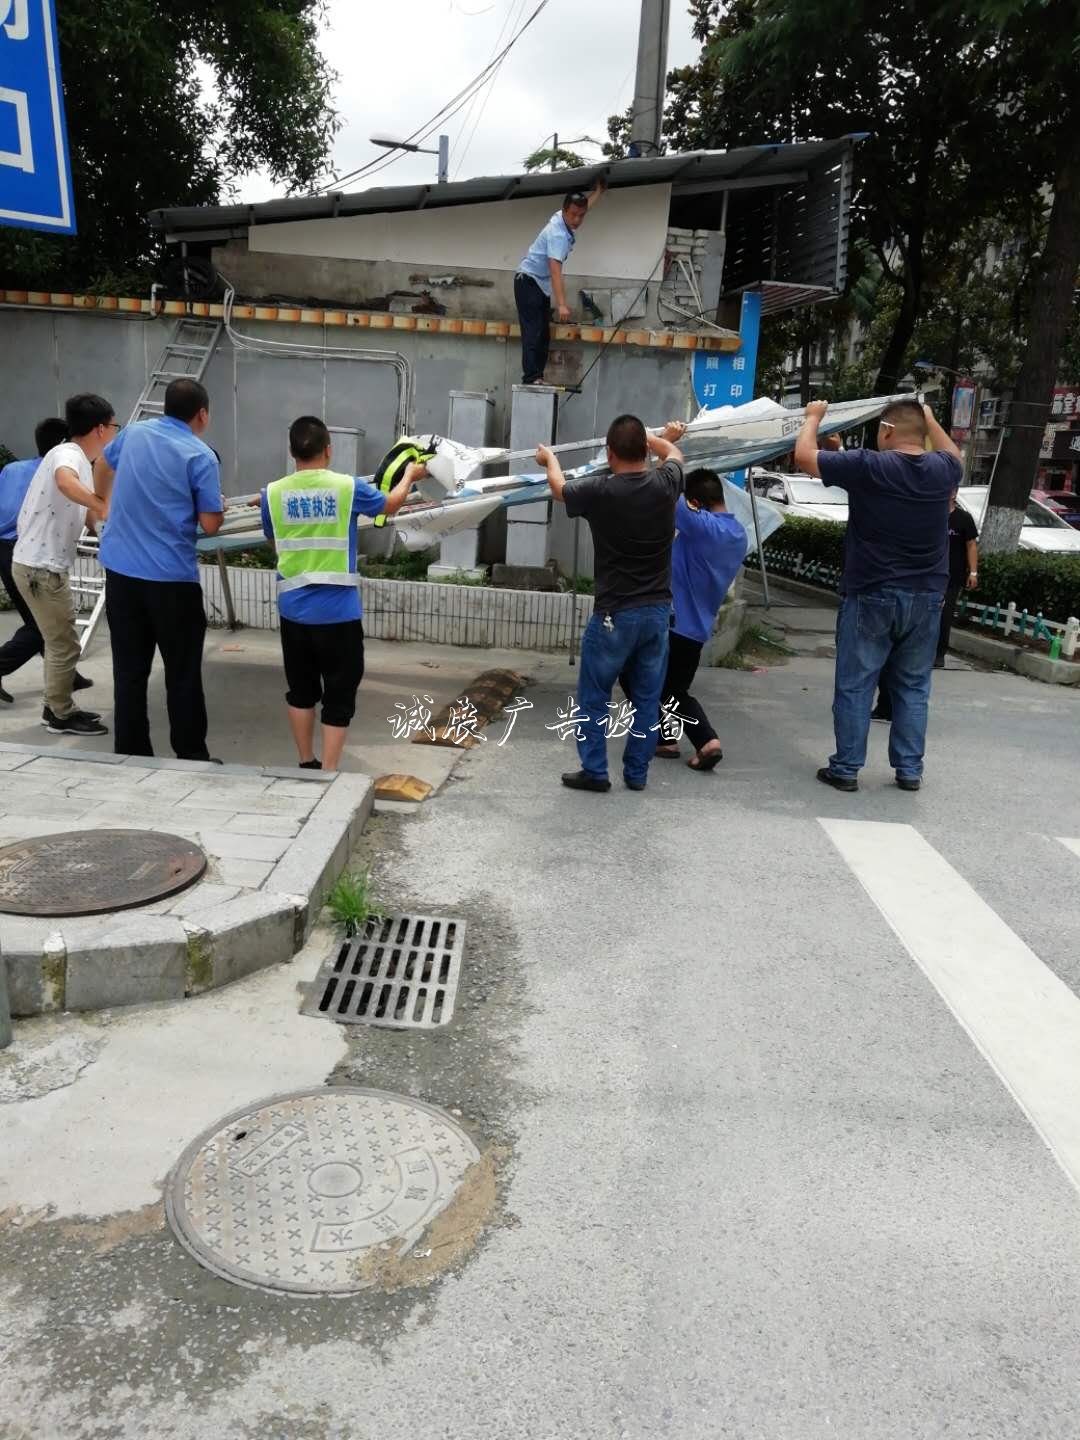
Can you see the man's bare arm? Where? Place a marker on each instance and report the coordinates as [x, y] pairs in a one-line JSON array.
[[210, 521], [400, 493], [973, 564], [555, 476], [598, 191], [939, 438], [72, 488], [104, 475], [663, 445], [558, 294], [806, 446]]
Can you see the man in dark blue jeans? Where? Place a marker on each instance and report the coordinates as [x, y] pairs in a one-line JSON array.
[[631, 513], [896, 570]]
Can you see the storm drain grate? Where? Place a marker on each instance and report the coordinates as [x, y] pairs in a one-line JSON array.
[[402, 972]]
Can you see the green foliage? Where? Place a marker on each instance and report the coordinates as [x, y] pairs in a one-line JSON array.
[[821, 540], [958, 137], [564, 160], [1034, 580], [145, 131], [401, 565], [349, 900]]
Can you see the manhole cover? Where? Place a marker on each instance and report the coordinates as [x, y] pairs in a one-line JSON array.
[[402, 971], [290, 1194], [86, 872]]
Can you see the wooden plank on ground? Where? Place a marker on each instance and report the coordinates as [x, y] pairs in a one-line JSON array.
[[486, 695], [401, 787]]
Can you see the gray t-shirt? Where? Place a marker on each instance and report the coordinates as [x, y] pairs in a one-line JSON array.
[[632, 519]]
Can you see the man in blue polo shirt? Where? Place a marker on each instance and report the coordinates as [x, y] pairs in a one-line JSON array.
[[166, 484], [710, 545], [540, 279], [896, 570], [14, 483], [310, 516]]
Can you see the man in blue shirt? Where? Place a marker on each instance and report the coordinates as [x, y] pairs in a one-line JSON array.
[[710, 545], [540, 279], [310, 516], [166, 484], [896, 571], [14, 483]]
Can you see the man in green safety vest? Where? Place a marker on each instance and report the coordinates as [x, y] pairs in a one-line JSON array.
[[311, 518], [409, 450]]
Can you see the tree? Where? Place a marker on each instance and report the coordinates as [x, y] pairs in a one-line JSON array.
[[917, 77], [554, 159], [1040, 40], [143, 132]]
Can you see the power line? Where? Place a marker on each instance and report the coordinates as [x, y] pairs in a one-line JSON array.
[[490, 90], [508, 22], [448, 111]]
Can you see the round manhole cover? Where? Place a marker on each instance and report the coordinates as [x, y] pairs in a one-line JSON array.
[[288, 1195], [87, 872]]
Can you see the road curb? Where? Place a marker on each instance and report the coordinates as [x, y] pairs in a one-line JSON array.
[[137, 956]]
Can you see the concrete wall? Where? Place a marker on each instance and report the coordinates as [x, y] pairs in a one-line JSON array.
[[621, 237], [52, 354]]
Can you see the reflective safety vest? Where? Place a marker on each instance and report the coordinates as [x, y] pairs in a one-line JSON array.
[[409, 450], [311, 515]]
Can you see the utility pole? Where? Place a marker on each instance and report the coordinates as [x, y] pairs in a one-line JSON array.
[[555, 151], [651, 75]]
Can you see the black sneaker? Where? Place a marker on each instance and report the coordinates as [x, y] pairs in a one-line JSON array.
[[310, 765], [79, 722], [579, 780], [838, 782], [5, 697], [909, 782], [881, 715], [47, 716], [81, 682], [633, 784]]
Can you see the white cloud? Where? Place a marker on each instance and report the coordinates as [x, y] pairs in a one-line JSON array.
[[399, 61]]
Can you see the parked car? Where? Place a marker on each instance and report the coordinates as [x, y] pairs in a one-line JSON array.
[[1065, 503], [1042, 529], [1050, 500], [801, 495]]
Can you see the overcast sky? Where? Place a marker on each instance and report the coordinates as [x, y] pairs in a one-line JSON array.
[[399, 61]]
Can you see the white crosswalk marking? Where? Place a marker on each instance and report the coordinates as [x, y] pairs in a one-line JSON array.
[[1073, 845], [1024, 1020]]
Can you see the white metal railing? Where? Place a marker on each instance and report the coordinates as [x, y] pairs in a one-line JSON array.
[[1061, 636]]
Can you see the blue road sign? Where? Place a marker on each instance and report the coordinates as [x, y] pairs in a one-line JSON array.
[[728, 379], [35, 173]]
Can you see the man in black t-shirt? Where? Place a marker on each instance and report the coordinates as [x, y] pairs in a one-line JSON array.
[[963, 570], [631, 514]]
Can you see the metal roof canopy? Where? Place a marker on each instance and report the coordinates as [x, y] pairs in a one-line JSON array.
[[787, 206]]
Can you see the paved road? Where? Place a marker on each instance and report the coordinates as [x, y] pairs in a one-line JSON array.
[[778, 1084]]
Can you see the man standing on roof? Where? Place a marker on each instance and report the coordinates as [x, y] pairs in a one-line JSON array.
[[539, 280], [896, 570], [311, 517]]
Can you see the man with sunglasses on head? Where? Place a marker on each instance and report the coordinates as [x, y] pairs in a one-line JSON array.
[[539, 280], [896, 571]]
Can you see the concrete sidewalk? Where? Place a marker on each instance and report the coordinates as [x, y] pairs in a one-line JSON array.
[[245, 698]]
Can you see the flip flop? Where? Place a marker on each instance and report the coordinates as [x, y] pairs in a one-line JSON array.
[[706, 762], [667, 754]]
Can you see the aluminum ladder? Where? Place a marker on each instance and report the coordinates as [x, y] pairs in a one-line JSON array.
[[186, 356]]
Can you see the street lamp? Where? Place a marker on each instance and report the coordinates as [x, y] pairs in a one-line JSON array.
[[443, 152]]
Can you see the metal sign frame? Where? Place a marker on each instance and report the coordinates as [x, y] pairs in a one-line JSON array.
[[35, 169]]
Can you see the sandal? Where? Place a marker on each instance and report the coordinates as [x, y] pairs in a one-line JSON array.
[[706, 762]]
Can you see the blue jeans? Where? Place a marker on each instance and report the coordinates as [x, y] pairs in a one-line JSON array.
[[637, 645], [893, 634]]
